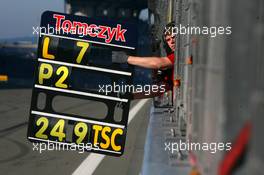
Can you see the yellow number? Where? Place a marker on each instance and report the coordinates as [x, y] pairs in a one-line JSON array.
[[45, 49], [47, 75], [57, 130], [65, 71], [45, 122], [80, 130], [84, 47]]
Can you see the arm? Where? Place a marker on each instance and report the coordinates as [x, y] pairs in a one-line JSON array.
[[150, 62]]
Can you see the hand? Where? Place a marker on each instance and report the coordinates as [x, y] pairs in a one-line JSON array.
[[119, 57]]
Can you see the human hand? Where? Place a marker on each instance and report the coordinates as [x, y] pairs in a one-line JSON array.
[[119, 57]]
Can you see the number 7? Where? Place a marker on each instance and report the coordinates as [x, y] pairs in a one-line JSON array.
[[84, 46]]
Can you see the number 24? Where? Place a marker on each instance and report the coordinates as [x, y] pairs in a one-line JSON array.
[[57, 130]]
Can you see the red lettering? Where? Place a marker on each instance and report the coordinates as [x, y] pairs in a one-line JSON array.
[[91, 28], [120, 33], [66, 26], [101, 33], [58, 20], [82, 27], [110, 34]]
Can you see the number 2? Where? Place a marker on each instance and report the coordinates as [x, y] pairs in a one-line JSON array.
[[65, 74], [45, 125]]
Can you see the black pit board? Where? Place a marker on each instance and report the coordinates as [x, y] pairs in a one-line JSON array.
[[68, 49]]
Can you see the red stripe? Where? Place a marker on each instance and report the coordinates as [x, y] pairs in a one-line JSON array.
[[237, 150]]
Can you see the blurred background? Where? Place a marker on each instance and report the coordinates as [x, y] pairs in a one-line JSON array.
[[217, 92], [18, 45]]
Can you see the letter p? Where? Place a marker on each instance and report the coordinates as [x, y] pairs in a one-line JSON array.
[[45, 72]]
